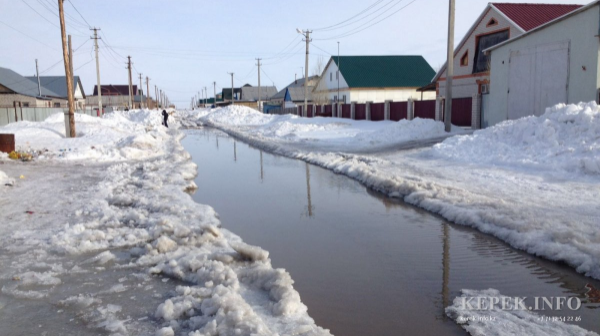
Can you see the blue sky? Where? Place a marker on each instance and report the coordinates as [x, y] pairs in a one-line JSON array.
[[185, 45]]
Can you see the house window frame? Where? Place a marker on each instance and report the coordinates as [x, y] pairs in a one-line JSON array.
[[479, 36], [56, 104], [465, 56], [492, 22], [331, 76], [25, 104]]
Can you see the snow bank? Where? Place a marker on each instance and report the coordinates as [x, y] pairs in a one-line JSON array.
[[501, 322], [338, 134], [565, 138], [117, 136]]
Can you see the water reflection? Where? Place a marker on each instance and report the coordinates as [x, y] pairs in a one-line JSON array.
[[360, 267]]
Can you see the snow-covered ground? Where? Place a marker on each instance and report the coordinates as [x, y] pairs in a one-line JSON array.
[[111, 207], [534, 182]]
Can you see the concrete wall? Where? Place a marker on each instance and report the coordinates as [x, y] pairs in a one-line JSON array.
[[464, 81], [580, 30]]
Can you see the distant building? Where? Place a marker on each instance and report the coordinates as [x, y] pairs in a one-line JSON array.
[[374, 78], [19, 89], [58, 84], [295, 91], [116, 96]]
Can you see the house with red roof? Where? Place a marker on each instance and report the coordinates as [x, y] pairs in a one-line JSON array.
[[498, 23], [556, 62]]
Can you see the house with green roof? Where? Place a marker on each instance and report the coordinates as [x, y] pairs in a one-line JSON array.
[[374, 78]]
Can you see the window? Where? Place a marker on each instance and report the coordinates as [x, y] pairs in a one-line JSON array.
[[331, 76], [337, 74], [344, 97], [56, 104], [335, 98], [492, 22], [464, 61], [25, 104], [481, 61]]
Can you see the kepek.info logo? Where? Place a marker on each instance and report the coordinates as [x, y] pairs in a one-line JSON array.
[[540, 303]]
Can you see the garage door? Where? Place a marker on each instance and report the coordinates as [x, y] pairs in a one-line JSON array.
[[538, 79]]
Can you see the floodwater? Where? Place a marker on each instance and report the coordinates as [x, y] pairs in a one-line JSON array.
[[365, 264]]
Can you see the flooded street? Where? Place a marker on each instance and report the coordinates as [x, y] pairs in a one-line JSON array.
[[365, 264]]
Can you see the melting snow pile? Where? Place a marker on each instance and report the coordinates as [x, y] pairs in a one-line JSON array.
[[115, 137], [138, 217], [566, 138], [338, 134], [494, 320]]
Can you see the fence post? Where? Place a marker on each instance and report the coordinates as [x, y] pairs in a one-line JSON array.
[[439, 101], [314, 110], [353, 110], [368, 109], [410, 109], [386, 110], [476, 112], [16, 115], [21, 108]]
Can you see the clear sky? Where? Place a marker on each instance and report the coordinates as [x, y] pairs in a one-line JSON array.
[[185, 45]]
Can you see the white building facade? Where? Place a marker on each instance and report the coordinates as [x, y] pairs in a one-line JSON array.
[[555, 63]]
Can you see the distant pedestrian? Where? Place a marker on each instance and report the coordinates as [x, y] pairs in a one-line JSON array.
[[165, 118]]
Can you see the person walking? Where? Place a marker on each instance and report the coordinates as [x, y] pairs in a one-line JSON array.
[[165, 118]]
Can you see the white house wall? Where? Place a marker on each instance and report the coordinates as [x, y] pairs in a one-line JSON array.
[[580, 30], [464, 81], [381, 95]]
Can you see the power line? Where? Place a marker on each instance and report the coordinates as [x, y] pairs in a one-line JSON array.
[[38, 13], [360, 13], [272, 81], [89, 26], [15, 29], [370, 14], [316, 46], [358, 30]]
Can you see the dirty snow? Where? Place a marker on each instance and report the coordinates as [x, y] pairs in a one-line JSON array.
[[110, 206]]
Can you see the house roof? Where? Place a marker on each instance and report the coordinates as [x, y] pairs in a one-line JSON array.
[[529, 16], [297, 89], [578, 10], [250, 93], [22, 85], [57, 84], [384, 71], [548, 12], [115, 90]]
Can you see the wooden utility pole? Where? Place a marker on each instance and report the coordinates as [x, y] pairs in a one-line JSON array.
[[140, 91], [130, 83], [95, 38], [259, 100], [68, 74], [449, 69], [215, 92], [160, 98], [71, 56], [232, 100], [147, 92], [156, 96]]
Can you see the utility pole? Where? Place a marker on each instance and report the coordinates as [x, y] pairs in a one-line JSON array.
[[130, 82], [156, 96], [205, 96], [232, 100], [95, 38], [259, 97], [160, 101], [68, 74], [215, 92], [37, 71], [306, 34], [71, 56], [140, 91], [338, 72], [449, 69], [147, 92]]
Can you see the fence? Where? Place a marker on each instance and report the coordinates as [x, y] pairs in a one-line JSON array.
[[12, 114], [462, 110]]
